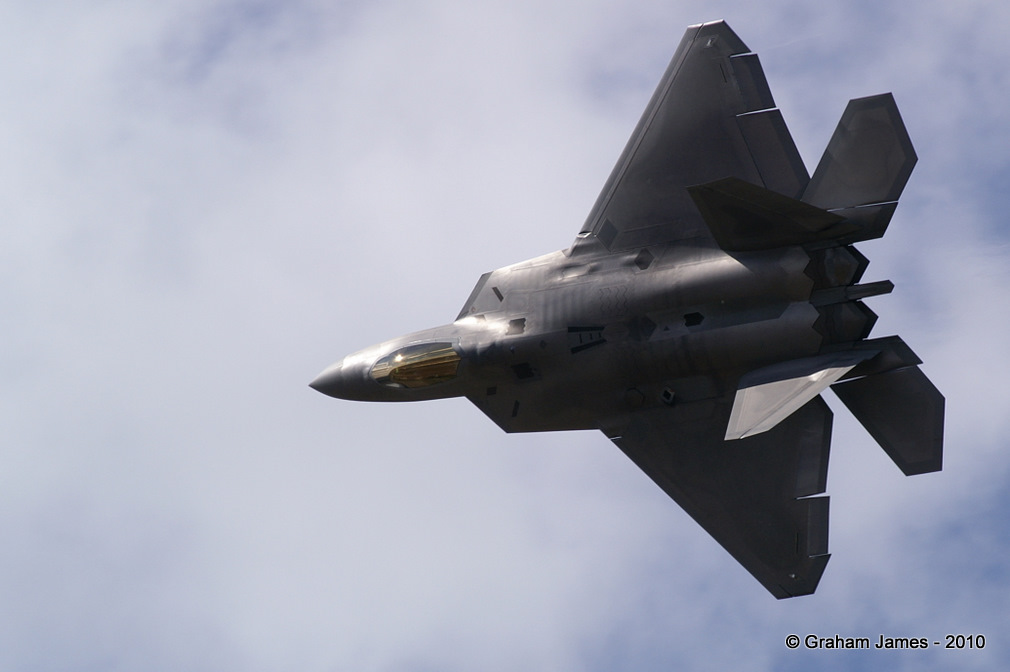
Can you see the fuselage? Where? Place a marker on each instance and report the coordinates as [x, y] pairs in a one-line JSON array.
[[601, 331]]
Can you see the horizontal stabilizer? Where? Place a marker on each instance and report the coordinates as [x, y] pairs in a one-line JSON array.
[[868, 160], [743, 216], [903, 411], [891, 353], [769, 395], [868, 222]]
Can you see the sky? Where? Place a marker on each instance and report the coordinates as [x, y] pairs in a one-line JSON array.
[[207, 202]]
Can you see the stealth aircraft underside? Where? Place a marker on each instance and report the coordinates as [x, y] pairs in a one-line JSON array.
[[711, 296]]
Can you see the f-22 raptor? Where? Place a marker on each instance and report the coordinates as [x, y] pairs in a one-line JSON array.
[[711, 296]]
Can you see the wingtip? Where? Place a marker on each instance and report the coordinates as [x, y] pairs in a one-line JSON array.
[[798, 585]]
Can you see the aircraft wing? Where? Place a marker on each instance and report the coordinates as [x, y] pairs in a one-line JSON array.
[[753, 495], [712, 117]]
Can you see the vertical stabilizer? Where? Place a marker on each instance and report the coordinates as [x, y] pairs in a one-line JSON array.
[[904, 412], [869, 159]]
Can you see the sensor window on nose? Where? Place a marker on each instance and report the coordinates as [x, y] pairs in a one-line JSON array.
[[417, 365]]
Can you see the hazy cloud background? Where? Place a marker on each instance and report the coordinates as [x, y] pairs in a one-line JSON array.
[[205, 203]]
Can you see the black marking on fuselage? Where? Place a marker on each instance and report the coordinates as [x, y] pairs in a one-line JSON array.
[[586, 346], [581, 338], [523, 371]]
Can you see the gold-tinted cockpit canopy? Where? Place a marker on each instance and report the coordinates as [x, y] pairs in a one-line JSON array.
[[417, 365]]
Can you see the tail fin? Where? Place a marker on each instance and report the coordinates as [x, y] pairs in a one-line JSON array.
[[896, 403], [851, 196], [868, 160], [904, 412]]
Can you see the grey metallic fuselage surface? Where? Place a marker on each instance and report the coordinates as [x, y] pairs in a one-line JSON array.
[[711, 296]]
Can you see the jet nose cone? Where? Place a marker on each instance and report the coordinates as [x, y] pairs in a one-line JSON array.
[[349, 379], [327, 379], [335, 381]]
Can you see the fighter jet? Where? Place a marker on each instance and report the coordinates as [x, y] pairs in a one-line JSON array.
[[711, 296]]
